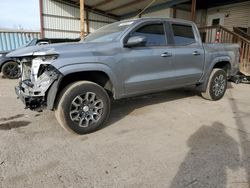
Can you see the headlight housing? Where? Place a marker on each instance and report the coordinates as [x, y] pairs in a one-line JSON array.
[[39, 63]]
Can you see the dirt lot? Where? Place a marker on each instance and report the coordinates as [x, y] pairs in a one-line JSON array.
[[172, 139]]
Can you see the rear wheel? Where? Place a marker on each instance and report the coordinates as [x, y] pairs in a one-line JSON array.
[[83, 107], [11, 70], [217, 85]]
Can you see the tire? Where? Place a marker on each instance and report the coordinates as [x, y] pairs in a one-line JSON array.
[[83, 107], [217, 85], [11, 70]]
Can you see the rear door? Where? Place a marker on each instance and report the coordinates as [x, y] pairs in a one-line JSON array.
[[188, 53]]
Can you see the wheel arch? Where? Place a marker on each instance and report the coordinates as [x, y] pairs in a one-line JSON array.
[[99, 77], [71, 74], [223, 63]]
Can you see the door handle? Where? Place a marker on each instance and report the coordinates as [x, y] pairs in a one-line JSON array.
[[196, 53], [166, 54]]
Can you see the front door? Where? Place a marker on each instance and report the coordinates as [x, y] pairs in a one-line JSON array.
[[146, 68]]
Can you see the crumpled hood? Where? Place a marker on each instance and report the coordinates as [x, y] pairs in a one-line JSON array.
[[51, 49]]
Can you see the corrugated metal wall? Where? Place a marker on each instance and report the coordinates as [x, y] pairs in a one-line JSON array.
[[10, 40], [183, 14], [61, 20], [238, 14], [180, 14], [96, 21], [201, 17], [164, 13], [167, 13]]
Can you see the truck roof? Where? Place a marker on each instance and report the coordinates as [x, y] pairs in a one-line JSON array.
[[163, 19]]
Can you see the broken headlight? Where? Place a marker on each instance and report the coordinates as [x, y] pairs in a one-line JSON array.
[[38, 74], [40, 64]]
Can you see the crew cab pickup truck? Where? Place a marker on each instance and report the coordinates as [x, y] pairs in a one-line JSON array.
[[120, 60]]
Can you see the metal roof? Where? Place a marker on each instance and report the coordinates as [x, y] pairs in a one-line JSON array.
[[122, 8], [128, 8]]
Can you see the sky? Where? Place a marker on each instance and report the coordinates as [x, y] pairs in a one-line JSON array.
[[23, 14]]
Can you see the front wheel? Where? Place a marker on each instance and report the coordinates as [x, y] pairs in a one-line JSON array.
[[217, 85], [83, 107]]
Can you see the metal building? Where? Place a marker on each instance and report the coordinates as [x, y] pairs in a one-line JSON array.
[[10, 39], [61, 18]]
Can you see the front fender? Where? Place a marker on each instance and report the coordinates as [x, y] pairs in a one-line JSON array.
[[73, 68]]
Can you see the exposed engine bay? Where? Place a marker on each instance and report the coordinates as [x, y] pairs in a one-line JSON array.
[[37, 75]]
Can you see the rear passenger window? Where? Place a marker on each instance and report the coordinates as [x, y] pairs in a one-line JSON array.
[[183, 34], [154, 33]]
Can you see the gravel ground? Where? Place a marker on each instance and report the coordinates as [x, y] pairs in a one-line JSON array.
[[171, 139]]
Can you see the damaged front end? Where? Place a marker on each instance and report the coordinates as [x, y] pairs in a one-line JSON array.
[[37, 76]]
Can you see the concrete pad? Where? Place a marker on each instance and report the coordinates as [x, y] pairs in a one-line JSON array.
[[170, 139]]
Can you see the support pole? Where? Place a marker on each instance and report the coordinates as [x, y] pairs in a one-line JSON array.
[[174, 12], [87, 21], [41, 19], [82, 18], [193, 11]]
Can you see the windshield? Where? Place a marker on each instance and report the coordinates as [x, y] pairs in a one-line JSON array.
[[27, 44], [108, 33], [31, 43]]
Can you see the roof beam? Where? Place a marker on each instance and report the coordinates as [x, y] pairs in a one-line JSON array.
[[125, 5], [193, 10], [101, 3], [161, 6]]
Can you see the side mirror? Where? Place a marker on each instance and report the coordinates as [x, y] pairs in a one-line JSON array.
[[136, 41]]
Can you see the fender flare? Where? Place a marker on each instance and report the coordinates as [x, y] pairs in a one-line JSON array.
[[202, 87], [83, 67]]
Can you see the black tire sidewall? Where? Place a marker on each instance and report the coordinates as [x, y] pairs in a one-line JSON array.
[[213, 76], [4, 69], [79, 90]]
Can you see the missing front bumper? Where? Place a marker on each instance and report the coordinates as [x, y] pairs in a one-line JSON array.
[[33, 103], [34, 93]]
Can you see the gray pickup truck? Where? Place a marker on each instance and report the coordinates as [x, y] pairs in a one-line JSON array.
[[123, 59]]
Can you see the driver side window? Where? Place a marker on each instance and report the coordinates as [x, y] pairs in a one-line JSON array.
[[154, 33]]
